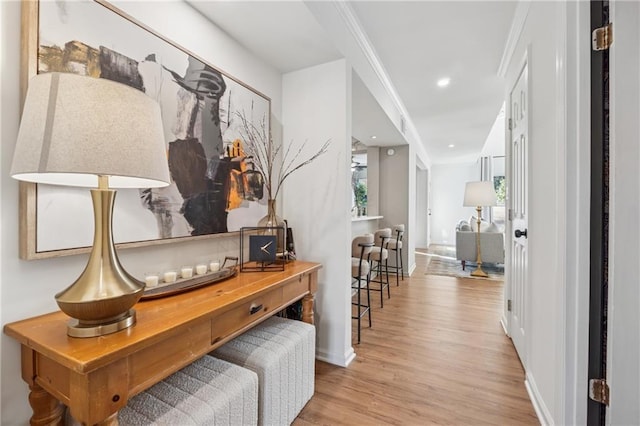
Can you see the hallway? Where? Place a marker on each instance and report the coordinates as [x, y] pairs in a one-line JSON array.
[[436, 354]]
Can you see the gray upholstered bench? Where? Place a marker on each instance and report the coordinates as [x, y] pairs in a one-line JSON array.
[[282, 353], [207, 392]]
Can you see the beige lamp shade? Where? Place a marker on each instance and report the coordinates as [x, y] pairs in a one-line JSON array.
[[75, 128], [93, 132], [479, 194]]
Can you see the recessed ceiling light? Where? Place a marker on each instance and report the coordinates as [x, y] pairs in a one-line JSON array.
[[373, 137], [451, 145], [444, 82]]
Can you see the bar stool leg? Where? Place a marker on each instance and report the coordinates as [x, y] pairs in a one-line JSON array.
[[379, 267], [401, 265], [386, 270], [397, 268], [359, 308], [369, 298]]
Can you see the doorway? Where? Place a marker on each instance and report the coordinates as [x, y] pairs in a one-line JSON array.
[[517, 233]]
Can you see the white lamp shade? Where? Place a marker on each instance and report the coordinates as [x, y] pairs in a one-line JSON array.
[[75, 128], [479, 194]]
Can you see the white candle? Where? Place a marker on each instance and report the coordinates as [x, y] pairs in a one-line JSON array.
[[170, 276], [151, 280], [214, 266], [201, 269], [186, 272]]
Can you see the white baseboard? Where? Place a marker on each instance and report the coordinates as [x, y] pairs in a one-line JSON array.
[[503, 322], [544, 416], [411, 269], [340, 360], [349, 357]]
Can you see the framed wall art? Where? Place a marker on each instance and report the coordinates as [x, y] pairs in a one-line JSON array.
[[214, 187]]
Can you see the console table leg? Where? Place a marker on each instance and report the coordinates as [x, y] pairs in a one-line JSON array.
[[47, 411], [307, 309]]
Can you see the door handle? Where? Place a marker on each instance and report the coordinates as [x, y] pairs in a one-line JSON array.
[[520, 233]]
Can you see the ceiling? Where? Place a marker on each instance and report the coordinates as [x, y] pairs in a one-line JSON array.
[[418, 43]]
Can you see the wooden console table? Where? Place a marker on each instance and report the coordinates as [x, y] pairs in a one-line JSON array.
[[96, 376]]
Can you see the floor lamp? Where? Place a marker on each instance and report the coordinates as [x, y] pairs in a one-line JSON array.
[[479, 195], [95, 133]]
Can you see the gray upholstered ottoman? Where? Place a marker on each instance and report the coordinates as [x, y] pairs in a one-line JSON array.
[[282, 353], [207, 392]]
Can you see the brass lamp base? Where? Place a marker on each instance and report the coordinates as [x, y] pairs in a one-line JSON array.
[[78, 328], [99, 302], [479, 272]]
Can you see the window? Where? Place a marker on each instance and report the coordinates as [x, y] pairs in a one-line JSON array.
[[500, 185], [359, 183]]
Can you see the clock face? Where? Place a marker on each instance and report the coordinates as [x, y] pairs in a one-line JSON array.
[[262, 248]]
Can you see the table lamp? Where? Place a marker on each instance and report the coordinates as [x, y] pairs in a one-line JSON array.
[[478, 195], [96, 133]]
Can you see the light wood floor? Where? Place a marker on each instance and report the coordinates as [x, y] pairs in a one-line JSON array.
[[436, 354]]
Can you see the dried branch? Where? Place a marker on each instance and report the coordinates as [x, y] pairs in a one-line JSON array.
[[288, 171], [261, 149]]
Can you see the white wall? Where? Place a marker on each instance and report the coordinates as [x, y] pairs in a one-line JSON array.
[[447, 192], [395, 176], [409, 245], [373, 181], [317, 199], [494, 144], [546, 176], [422, 208], [28, 287], [8, 70]]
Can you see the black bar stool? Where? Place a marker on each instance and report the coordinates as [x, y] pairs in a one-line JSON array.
[[360, 274], [380, 255], [395, 245]]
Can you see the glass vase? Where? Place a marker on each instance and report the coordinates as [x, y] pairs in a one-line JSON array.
[[272, 220]]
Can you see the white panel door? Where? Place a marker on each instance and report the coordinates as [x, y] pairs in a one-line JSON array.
[[623, 336], [518, 239]]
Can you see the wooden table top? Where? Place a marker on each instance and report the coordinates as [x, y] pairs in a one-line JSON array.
[[157, 319]]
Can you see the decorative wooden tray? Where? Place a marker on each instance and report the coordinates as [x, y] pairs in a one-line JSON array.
[[188, 284]]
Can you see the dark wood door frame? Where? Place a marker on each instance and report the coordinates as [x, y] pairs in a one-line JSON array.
[[598, 282]]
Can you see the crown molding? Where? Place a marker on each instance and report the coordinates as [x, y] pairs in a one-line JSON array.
[[360, 36], [517, 26], [354, 27]]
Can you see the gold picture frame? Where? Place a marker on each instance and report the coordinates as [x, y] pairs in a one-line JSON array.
[[240, 195]]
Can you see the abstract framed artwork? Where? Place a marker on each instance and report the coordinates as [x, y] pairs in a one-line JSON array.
[[214, 188]]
